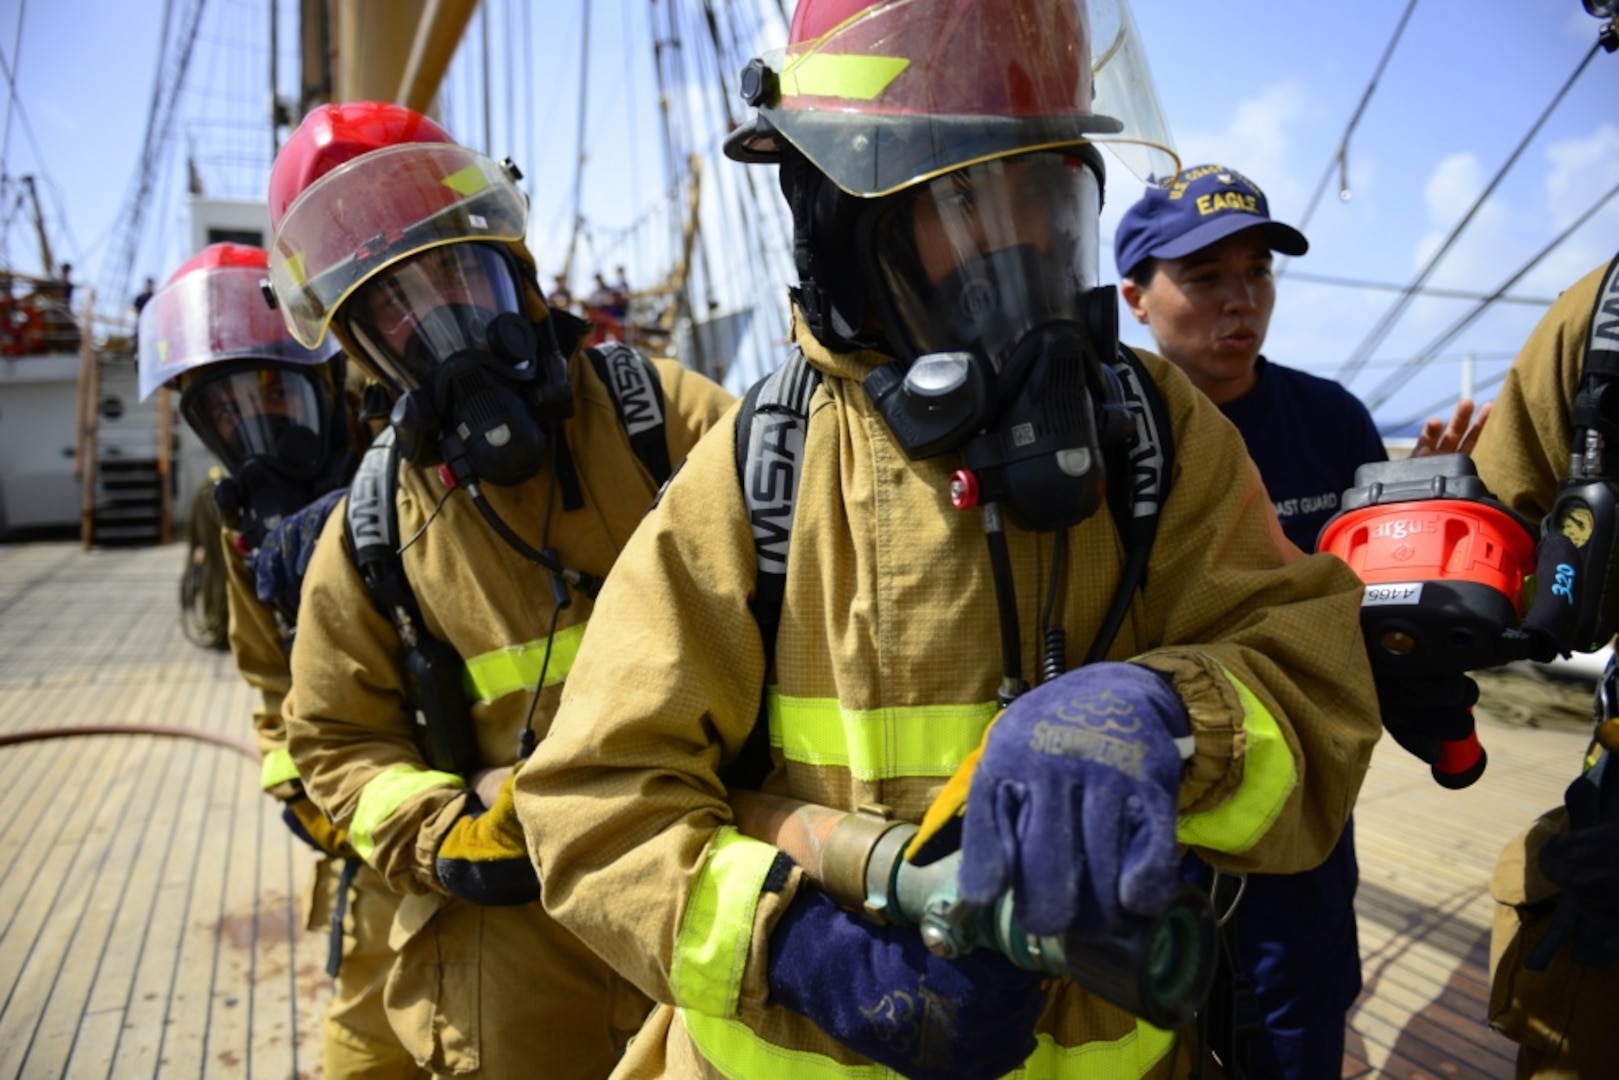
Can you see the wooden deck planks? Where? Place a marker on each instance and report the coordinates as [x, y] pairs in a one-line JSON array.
[[1424, 910], [150, 916]]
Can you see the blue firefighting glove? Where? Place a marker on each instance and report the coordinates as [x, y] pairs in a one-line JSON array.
[[878, 991], [282, 560], [483, 858], [1072, 803]]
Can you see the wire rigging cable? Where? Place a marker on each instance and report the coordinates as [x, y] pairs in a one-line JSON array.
[[1389, 286], [1375, 337], [11, 93], [166, 86], [579, 155], [1341, 157], [1385, 390]]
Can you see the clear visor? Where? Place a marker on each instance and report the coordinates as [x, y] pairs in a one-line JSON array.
[[907, 90], [419, 313], [277, 413], [974, 260], [211, 317], [377, 210]]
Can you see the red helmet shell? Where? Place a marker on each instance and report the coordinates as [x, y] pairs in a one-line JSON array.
[[333, 134], [218, 256], [1009, 58]]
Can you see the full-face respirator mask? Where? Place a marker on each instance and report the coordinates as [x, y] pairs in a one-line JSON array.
[[278, 433], [987, 290], [474, 387]]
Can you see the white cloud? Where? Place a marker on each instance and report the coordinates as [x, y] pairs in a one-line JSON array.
[[1255, 141], [1455, 182], [1580, 171]]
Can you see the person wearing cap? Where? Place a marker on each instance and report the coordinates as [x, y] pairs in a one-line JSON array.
[[1194, 260], [1554, 944]]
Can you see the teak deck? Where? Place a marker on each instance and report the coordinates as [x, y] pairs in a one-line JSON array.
[[151, 903]]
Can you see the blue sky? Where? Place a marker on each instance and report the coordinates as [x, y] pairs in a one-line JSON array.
[[1265, 86]]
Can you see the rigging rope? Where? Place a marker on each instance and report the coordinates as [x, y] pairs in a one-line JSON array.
[[116, 273]]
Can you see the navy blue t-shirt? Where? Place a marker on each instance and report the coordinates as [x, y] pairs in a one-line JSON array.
[[1307, 435]]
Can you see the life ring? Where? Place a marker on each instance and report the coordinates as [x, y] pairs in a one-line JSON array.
[[22, 327]]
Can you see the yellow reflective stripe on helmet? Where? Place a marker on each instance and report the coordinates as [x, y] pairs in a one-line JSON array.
[[295, 268], [738, 1052], [840, 75], [467, 180], [1268, 778], [877, 744], [517, 667], [716, 928], [386, 792], [276, 768]]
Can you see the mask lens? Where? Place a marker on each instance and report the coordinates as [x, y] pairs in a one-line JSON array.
[[973, 260], [397, 316], [250, 413]]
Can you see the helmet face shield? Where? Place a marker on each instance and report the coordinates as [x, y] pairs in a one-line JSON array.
[[973, 260], [380, 209], [279, 414], [902, 91], [214, 316], [415, 315]]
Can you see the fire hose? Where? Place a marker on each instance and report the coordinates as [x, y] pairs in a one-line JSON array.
[[1158, 968]]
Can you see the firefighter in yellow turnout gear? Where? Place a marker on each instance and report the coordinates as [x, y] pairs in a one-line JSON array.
[[276, 415], [445, 601], [939, 160], [1556, 1007]]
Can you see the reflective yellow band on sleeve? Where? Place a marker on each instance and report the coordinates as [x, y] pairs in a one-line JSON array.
[[844, 75], [276, 768], [386, 792], [877, 744], [517, 667], [1268, 778], [716, 928], [738, 1052]]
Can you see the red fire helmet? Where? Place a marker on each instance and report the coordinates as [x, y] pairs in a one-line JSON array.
[[883, 95]]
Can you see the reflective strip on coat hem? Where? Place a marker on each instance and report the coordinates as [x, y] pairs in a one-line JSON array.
[[387, 792], [499, 672], [877, 744], [276, 768], [716, 928], [1268, 778], [740, 1054]]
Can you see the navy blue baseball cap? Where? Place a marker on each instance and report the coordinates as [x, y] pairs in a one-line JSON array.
[[1193, 210]]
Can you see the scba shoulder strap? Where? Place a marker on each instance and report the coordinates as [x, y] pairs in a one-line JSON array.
[[770, 430], [434, 672], [1587, 505], [632, 379]]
